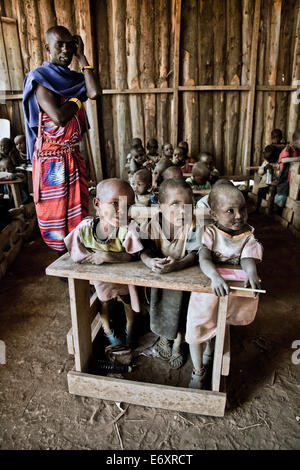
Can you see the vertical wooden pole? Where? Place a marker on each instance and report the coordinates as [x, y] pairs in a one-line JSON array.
[[132, 42], [19, 8], [251, 94], [176, 17], [293, 112], [104, 57], [47, 20], [272, 67], [258, 125], [190, 113], [247, 27], [34, 33], [219, 29], [205, 73], [123, 124], [233, 74], [163, 45], [84, 29], [147, 66]]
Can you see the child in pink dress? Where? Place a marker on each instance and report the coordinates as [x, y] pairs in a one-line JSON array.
[[109, 239], [228, 240]]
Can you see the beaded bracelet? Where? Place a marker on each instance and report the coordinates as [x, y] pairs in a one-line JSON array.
[[86, 67], [76, 101]]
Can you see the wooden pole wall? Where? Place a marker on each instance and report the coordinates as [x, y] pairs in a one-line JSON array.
[[178, 70]]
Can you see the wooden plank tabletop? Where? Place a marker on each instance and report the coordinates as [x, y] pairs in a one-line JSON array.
[[11, 181], [136, 273]]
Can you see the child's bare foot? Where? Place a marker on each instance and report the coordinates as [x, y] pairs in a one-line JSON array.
[[177, 359], [163, 347], [198, 378]]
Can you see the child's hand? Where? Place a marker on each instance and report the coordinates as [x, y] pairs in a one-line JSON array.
[[96, 258], [219, 285], [253, 280], [167, 265]]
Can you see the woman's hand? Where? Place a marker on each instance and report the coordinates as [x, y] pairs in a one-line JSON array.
[[219, 285]]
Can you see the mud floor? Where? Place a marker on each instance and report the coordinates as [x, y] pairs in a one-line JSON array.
[[37, 412]]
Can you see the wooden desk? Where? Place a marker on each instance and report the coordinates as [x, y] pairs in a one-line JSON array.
[[15, 189], [28, 171], [140, 393]]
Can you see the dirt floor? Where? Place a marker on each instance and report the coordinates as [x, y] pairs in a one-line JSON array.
[[37, 412]]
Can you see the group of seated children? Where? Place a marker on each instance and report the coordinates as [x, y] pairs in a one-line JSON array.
[[173, 240], [175, 163], [274, 173], [12, 156]]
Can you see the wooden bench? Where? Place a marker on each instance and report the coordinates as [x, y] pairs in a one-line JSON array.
[[80, 382], [15, 189]]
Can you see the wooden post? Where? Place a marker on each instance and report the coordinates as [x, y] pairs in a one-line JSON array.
[[293, 113], [84, 29], [176, 18], [272, 68], [19, 8], [146, 62], [123, 126], [205, 72], [162, 34], [132, 39], [190, 114], [251, 94], [259, 100], [34, 33], [219, 28], [247, 28], [233, 72], [105, 56], [47, 20]]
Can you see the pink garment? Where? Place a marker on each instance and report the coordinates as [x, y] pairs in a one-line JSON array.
[[106, 290], [203, 308]]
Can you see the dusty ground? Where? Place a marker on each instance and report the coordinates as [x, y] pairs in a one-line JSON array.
[[37, 412]]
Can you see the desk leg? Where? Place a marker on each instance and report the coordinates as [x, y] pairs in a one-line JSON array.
[[16, 194], [219, 343], [79, 291]]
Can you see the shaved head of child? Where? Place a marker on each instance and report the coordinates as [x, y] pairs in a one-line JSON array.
[[113, 197], [159, 168], [228, 207], [173, 172], [141, 181], [201, 173]]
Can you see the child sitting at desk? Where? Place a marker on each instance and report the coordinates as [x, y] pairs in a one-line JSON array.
[[268, 173], [167, 151], [173, 245], [208, 159], [20, 143], [7, 160], [290, 151], [173, 172], [200, 177], [229, 240], [141, 184], [152, 147], [109, 239]]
